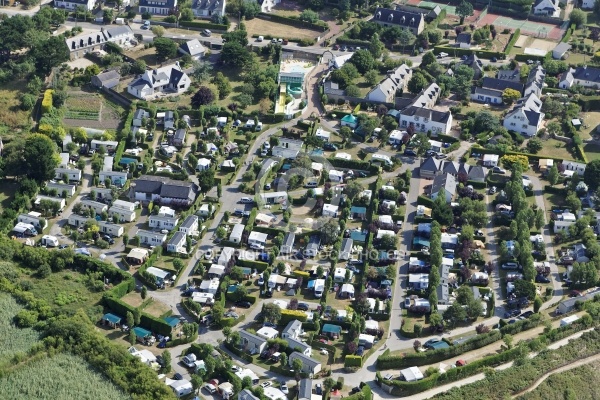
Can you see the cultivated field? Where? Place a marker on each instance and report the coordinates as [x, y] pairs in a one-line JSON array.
[[90, 110], [13, 340], [60, 377], [259, 26]]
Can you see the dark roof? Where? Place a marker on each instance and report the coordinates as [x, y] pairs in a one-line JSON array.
[[477, 171], [246, 394], [108, 76], [139, 84], [533, 117], [333, 88], [165, 187], [428, 13], [305, 389], [431, 164], [208, 4], [487, 92], [157, 3], [397, 17], [176, 76], [189, 221], [433, 115], [499, 84], [141, 113], [179, 134], [443, 181], [464, 37], [473, 61], [192, 47], [587, 74], [177, 238], [513, 75]]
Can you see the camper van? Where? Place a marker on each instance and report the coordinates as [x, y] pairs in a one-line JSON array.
[[49, 241], [319, 288]]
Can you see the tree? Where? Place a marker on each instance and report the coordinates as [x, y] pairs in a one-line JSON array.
[[158, 30], [201, 71], [144, 293], [417, 83], [508, 341], [371, 77], [441, 211], [537, 304], [203, 97], [48, 54], [405, 37], [436, 319], [524, 288], [37, 158], [420, 142], [131, 337], [309, 15], [573, 202], [553, 175], [510, 161], [464, 9], [474, 308], [328, 384], [165, 48], [138, 67], [363, 60], [578, 17], [376, 46], [509, 95], [166, 356], [283, 360], [137, 315], [455, 313], [534, 145], [271, 312], [352, 91], [235, 54], [130, 320], [591, 176], [297, 364], [196, 380]]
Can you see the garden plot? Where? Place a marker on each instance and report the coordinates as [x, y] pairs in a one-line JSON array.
[[259, 26], [60, 377], [89, 110], [13, 340]]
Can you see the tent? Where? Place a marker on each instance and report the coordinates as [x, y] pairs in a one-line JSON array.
[[111, 320]]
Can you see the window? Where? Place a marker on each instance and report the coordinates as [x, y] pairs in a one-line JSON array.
[[512, 124], [524, 126], [416, 118]]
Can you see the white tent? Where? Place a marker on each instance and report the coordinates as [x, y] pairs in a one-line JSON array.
[[412, 374]]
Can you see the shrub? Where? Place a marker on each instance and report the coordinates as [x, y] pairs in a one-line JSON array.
[[47, 101]]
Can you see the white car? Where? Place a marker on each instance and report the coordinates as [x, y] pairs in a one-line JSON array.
[[284, 388], [246, 200], [255, 246], [266, 384], [210, 388]]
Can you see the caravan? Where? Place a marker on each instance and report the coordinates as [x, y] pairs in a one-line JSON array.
[[49, 241]]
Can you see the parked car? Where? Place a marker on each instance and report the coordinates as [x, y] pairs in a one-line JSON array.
[[360, 350], [512, 313], [319, 389], [206, 32], [210, 388], [541, 279], [246, 200], [410, 152], [266, 384], [284, 388], [493, 189], [526, 314], [303, 307], [355, 389], [243, 304], [498, 170], [177, 376], [235, 368], [431, 342], [511, 265], [108, 239], [388, 377], [330, 147]]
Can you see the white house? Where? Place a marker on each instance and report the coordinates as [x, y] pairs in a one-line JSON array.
[[123, 214], [111, 229], [576, 167], [93, 41], [116, 177], [190, 226], [526, 117], [208, 8], [25, 229], [33, 218], [98, 207], [267, 332], [445, 185], [88, 5], [385, 91], [150, 238], [236, 233], [210, 286], [339, 275], [72, 174], [309, 365], [346, 249], [397, 137], [177, 243], [490, 160], [159, 7], [421, 115], [292, 330], [257, 238], [216, 271], [168, 79], [61, 202], [161, 222], [181, 387], [251, 343], [203, 164], [548, 8], [330, 210], [225, 256], [62, 187], [108, 145], [585, 76], [193, 48]]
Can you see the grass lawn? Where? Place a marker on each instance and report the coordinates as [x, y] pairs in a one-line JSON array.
[[364, 86], [156, 309], [592, 151], [259, 26], [12, 118], [556, 148], [8, 189], [497, 111], [552, 201]]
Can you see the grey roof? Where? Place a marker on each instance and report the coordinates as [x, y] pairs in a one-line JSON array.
[[431, 164], [473, 61], [289, 239], [443, 293], [108, 76], [141, 113], [398, 17], [139, 84], [464, 37], [486, 92], [443, 181], [513, 75], [165, 187], [246, 394], [562, 48], [306, 360], [584, 73], [433, 115], [189, 221], [252, 337], [347, 245], [117, 30], [179, 134], [192, 47], [451, 167], [296, 344], [333, 88], [305, 389], [477, 172], [499, 84], [428, 13], [177, 238], [292, 326]]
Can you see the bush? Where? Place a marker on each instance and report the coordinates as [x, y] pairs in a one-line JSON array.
[[353, 361], [512, 41], [47, 101]]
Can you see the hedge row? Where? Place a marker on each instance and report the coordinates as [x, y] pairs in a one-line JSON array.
[[589, 103], [47, 101], [568, 33], [290, 315], [204, 25], [447, 138], [147, 321], [244, 356], [425, 201], [581, 153], [461, 52], [522, 325], [512, 41], [527, 57], [353, 361], [267, 230], [555, 190], [293, 22], [344, 40], [258, 265], [351, 164], [227, 321], [429, 357], [477, 184]]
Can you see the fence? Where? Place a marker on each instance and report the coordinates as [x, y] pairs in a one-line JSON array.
[[117, 97], [483, 14]]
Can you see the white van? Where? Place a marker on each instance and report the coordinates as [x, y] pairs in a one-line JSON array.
[[258, 127], [260, 39], [311, 184]]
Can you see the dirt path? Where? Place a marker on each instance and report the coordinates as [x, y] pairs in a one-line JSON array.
[[564, 368]]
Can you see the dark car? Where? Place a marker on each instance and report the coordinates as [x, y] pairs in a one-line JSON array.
[[177, 376], [160, 360], [410, 152], [108, 239], [265, 354], [362, 174], [360, 351], [542, 279], [494, 59], [269, 294], [63, 246], [319, 389], [512, 313], [355, 389], [336, 46], [330, 147], [243, 304], [526, 314], [303, 307]]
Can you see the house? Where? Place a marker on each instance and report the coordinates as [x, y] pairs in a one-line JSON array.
[[273, 197], [396, 136], [193, 48], [299, 346], [430, 167], [480, 278], [123, 214], [205, 210], [247, 373], [226, 254], [267, 332], [561, 49], [181, 387], [492, 88], [330, 210], [443, 293], [477, 173], [562, 225], [157, 7], [463, 40], [312, 248], [87, 5], [350, 121], [139, 117], [304, 389], [585, 76], [108, 145], [568, 305], [164, 191], [162, 222], [336, 176], [309, 365], [25, 229], [445, 185], [396, 80], [257, 239], [77, 220], [98, 207], [166, 119], [246, 394], [357, 212], [292, 330], [414, 22], [179, 137], [418, 281], [347, 291], [33, 218], [108, 79], [210, 286], [107, 228], [449, 240], [127, 205], [160, 274], [425, 120], [190, 226], [576, 167], [150, 238], [513, 75], [208, 8], [535, 81], [236, 233], [116, 177], [287, 246], [366, 340], [548, 8], [203, 164], [346, 249], [339, 275], [137, 256], [90, 42], [490, 160], [177, 243], [587, 4], [423, 211], [67, 174], [216, 271], [412, 374], [545, 164], [167, 79], [526, 117], [475, 64]]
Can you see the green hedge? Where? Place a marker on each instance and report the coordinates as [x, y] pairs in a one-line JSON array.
[[353, 361], [581, 153], [342, 40], [425, 201], [379, 316], [555, 190], [461, 52], [268, 231], [447, 138], [203, 25], [589, 103], [520, 326], [226, 321], [281, 371], [147, 321], [434, 356], [568, 33], [527, 57], [351, 164], [477, 184], [293, 22], [290, 315], [258, 265], [512, 41], [244, 356]]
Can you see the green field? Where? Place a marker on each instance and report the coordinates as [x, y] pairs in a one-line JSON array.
[[573, 384], [61, 377], [13, 340]]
